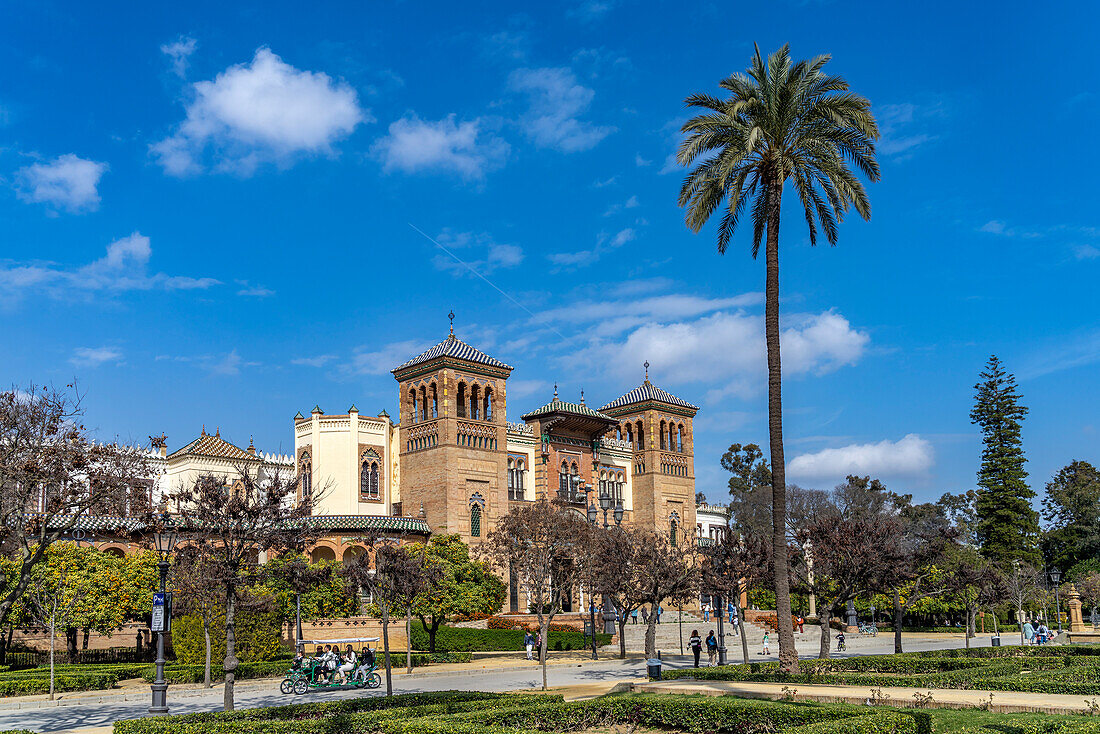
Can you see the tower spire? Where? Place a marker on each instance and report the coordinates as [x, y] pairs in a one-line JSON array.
[[451, 316], [582, 396], [555, 391], [647, 370]]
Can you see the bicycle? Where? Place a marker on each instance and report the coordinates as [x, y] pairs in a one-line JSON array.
[[868, 630]]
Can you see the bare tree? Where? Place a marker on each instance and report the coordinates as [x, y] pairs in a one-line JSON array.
[[666, 570], [540, 541], [1022, 585], [852, 556], [736, 563], [974, 581], [607, 569], [53, 599], [52, 475], [230, 523], [196, 596]]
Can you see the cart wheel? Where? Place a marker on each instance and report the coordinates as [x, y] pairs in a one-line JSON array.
[[286, 686], [301, 686], [374, 680]]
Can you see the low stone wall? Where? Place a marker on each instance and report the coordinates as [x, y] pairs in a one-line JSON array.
[[328, 629]]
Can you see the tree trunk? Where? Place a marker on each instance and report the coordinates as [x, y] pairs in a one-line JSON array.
[[741, 628], [4, 637], [788, 654], [206, 634], [230, 662], [84, 641], [651, 634], [622, 636], [70, 643], [408, 640], [431, 634], [969, 616], [544, 626], [826, 634], [53, 639], [899, 615], [386, 647]]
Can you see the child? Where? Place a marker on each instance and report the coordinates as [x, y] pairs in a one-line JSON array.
[[766, 640], [840, 642]]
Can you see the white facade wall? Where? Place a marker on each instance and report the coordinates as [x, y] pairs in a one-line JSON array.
[[335, 444]]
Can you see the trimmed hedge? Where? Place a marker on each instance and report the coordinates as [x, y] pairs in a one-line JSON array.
[[456, 712], [35, 684], [1038, 670], [466, 639]]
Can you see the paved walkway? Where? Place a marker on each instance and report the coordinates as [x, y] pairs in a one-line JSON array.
[[1002, 701]]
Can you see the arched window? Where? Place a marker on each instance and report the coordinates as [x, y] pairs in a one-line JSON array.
[[424, 403], [681, 438], [305, 475], [460, 403], [641, 436], [475, 400], [475, 520], [364, 480], [662, 442], [630, 435], [672, 524], [435, 401], [563, 479], [488, 409], [412, 405], [374, 480]]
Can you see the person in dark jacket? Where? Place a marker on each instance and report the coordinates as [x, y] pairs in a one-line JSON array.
[[696, 645], [712, 649]]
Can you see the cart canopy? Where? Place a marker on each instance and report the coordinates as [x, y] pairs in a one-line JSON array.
[[338, 641]]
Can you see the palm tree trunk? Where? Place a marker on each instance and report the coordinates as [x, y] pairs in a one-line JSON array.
[[231, 662], [826, 634], [788, 655]]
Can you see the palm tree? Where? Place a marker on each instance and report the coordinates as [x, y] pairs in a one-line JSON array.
[[782, 121]]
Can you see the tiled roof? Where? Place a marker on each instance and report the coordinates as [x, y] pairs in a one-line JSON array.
[[646, 392], [371, 522], [216, 447], [452, 346], [560, 406]]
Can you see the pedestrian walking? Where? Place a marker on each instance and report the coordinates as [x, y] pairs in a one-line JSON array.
[[634, 617], [764, 644], [706, 611], [538, 645], [529, 643], [735, 622], [801, 622], [1029, 633], [660, 610], [695, 644], [712, 649], [645, 616], [732, 611]]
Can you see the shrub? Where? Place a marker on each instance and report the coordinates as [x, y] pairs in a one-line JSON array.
[[463, 639], [257, 638]]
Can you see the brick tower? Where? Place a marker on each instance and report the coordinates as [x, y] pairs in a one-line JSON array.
[[659, 427], [453, 446]]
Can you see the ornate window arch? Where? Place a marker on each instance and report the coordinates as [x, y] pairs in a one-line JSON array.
[[641, 436], [305, 473], [662, 440], [412, 404], [460, 401], [673, 527], [435, 401], [487, 409], [477, 506], [563, 478]]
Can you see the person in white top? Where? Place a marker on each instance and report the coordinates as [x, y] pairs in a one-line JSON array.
[[348, 665]]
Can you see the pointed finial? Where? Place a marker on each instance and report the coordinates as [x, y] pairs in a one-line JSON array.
[[250, 445], [218, 432], [555, 391], [647, 370], [451, 316], [582, 396], [203, 430], [422, 513]]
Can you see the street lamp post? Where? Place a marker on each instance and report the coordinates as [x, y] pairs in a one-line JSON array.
[[164, 539], [873, 617], [1055, 578], [721, 630]]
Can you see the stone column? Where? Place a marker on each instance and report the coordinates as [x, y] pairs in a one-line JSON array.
[[1073, 603]]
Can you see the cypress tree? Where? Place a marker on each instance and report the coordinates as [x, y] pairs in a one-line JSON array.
[[1008, 526]]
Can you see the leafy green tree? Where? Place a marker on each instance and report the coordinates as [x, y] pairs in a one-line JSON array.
[[1008, 528], [1071, 509], [325, 594], [462, 586], [783, 122], [750, 486]]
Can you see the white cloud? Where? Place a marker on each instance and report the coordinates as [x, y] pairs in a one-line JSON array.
[[366, 361], [641, 162], [591, 10], [1086, 252], [125, 267], [319, 361], [263, 112], [179, 51], [605, 243], [612, 317], [904, 127], [993, 226], [68, 182], [414, 145], [728, 348], [230, 364], [253, 291], [910, 456], [631, 203], [94, 356], [490, 255], [556, 102]]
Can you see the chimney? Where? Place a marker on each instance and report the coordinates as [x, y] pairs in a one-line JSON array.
[[251, 447]]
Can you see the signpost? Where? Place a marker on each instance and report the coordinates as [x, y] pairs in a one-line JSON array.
[[162, 612]]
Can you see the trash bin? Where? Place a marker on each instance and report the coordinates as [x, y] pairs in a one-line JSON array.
[[996, 641], [654, 666]]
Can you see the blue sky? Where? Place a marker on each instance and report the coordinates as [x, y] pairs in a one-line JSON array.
[[224, 214]]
